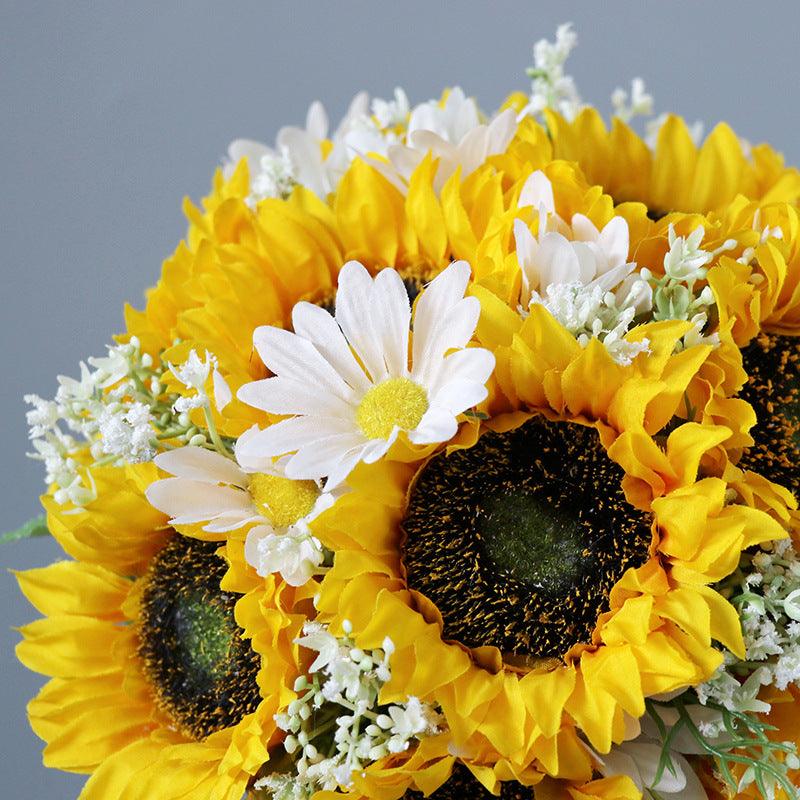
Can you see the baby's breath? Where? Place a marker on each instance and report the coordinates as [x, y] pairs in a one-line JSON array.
[[336, 725]]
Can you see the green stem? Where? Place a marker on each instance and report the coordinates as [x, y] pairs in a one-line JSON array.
[[32, 528], [212, 432]]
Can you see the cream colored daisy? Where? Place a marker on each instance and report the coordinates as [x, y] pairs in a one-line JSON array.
[[454, 132], [209, 488], [347, 382], [574, 252]]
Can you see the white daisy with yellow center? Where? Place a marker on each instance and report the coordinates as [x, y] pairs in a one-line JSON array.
[[347, 383], [209, 488]]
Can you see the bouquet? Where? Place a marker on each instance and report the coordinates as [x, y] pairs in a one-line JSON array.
[[452, 456]]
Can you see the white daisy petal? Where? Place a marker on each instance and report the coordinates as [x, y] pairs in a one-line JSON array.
[[391, 299], [224, 523], [587, 261], [558, 260], [244, 148], [615, 241], [222, 391], [306, 159], [501, 131], [470, 364], [291, 356], [189, 501], [453, 330], [437, 425], [317, 120], [537, 191], [325, 456], [472, 149], [455, 397], [290, 396], [200, 464], [342, 469], [287, 436], [442, 293], [584, 229], [320, 328], [378, 448], [355, 312]]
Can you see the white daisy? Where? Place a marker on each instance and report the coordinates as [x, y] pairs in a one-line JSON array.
[[453, 132], [210, 488], [346, 382], [298, 155], [566, 253]]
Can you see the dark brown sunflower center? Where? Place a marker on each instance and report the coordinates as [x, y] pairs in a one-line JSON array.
[[655, 214], [202, 671], [773, 364], [463, 785], [519, 539]]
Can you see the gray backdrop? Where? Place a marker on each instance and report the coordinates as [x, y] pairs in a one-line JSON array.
[[112, 112]]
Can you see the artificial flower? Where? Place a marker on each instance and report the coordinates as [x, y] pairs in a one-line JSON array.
[[302, 156], [347, 383], [141, 645], [453, 454]]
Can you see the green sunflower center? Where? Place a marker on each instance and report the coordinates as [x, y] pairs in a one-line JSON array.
[[202, 671], [534, 543], [519, 539], [773, 389]]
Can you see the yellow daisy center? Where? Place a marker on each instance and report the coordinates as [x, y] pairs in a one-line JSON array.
[[281, 500], [396, 402]]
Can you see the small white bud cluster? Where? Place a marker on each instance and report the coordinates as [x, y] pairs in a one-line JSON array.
[[117, 412], [551, 87], [275, 177], [589, 312], [675, 294], [766, 592], [340, 697], [749, 253], [641, 103]]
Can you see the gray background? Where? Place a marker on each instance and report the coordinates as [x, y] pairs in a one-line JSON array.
[[112, 112]]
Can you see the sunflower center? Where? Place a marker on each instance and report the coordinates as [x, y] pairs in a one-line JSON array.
[[397, 402], [203, 673], [533, 543], [281, 500], [519, 539], [463, 784], [414, 279], [773, 389]]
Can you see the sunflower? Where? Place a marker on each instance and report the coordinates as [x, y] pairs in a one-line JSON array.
[[622, 605], [163, 683], [548, 574], [247, 267], [676, 174], [758, 300]]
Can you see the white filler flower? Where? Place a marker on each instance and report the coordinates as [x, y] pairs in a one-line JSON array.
[[347, 383]]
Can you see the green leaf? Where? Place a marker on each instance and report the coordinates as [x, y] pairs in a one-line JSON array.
[[33, 527]]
